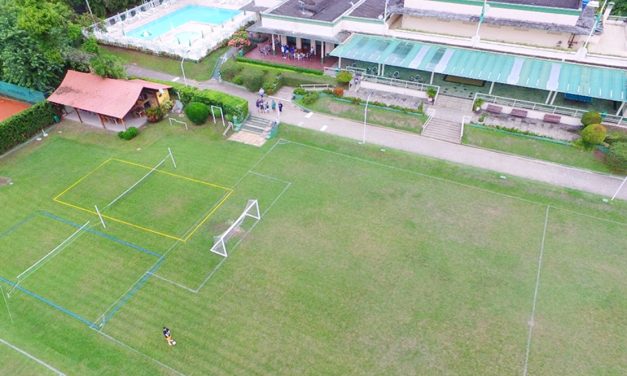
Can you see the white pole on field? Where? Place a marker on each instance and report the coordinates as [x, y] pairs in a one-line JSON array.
[[100, 216], [619, 188]]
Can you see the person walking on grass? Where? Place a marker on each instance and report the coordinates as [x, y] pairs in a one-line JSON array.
[[168, 336]]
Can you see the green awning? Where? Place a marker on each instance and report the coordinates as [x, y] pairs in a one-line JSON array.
[[570, 78]]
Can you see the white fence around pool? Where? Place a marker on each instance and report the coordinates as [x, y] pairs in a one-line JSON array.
[[203, 38]]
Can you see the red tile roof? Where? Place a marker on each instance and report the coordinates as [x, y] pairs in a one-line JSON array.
[[105, 96]]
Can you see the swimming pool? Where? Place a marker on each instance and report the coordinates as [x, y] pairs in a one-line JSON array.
[[190, 13]]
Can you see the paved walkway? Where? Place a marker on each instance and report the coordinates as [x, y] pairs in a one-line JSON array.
[[507, 164]]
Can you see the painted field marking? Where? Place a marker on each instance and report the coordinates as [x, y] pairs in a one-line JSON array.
[[531, 322], [176, 79], [31, 357], [309, 114], [183, 239], [324, 128]]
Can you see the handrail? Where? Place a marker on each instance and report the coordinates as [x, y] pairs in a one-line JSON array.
[[558, 110], [430, 114]]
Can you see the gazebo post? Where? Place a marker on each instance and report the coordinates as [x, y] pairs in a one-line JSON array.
[[101, 121], [78, 113], [123, 123]]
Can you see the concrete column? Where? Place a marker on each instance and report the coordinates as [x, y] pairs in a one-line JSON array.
[[313, 46], [284, 39], [273, 46], [382, 70], [431, 79], [299, 43], [322, 52], [491, 88], [548, 98], [329, 47], [554, 96], [339, 62], [620, 109]]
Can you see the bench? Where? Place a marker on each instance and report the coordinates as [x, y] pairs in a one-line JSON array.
[[549, 118], [494, 109], [518, 113]]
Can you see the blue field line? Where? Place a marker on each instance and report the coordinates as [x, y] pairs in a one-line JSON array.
[[17, 225], [138, 285], [48, 302], [102, 234]]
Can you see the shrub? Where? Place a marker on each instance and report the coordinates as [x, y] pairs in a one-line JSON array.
[[616, 158], [197, 112], [128, 134], [231, 104], [252, 79], [421, 108], [166, 106], [431, 92], [338, 91], [593, 134], [300, 91], [615, 137], [154, 114], [355, 100], [272, 82], [591, 117], [279, 66], [344, 77], [229, 70], [476, 106], [20, 127], [311, 97]]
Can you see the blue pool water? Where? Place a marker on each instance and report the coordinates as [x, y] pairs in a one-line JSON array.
[[207, 15]]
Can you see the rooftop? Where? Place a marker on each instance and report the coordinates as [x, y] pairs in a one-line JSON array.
[[320, 10], [370, 9], [568, 4]]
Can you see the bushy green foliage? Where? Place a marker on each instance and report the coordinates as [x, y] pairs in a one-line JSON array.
[[344, 77], [108, 66], [311, 97], [197, 112], [22, 126], [91, 45], [616, 157], [300, 91], [280, 66], [593, 134], [272, 82], [614, 137], [591, 117], [229, 70], [155, 114], [231, 104], [128, 134], [431, 92], [252, 79]]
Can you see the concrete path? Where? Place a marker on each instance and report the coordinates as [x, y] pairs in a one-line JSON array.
[[507, 164]]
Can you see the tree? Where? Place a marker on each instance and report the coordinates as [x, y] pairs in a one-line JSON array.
[[616, 158], [593, 134], [591, 117], [107, 66]]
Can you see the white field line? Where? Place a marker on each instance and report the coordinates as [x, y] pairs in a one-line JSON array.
[[278, 142], [139, 352], [174, 283], [531, 322], [41, 362], [136, 183], [286, 141], [6, 304], [55, 251]]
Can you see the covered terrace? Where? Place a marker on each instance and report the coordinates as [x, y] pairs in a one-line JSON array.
[[389, 56]]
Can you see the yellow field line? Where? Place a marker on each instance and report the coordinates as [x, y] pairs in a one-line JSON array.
[[210, 214], [175, 175], [121, 221], [81, 179]]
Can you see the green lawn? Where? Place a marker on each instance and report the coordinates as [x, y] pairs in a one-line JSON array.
[[534, 148], [365, 262], [376, 115], [200, 71]]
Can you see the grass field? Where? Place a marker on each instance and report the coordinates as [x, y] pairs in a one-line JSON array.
[[200, 71], [534, 148], [364, 262], [376, 115]]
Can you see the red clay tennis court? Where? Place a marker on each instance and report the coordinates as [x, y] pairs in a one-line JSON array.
[[10, 107]]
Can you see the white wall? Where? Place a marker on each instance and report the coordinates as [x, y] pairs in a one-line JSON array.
[[268, 3], [298, 27]]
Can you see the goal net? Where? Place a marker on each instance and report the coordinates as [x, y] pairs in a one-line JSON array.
[[219, 244]]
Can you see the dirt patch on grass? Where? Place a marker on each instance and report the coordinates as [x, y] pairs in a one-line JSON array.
[[5, 181]]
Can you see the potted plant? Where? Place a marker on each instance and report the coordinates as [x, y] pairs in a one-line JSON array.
[[154, 114], [239, 40], [431, 93], [476, 107]]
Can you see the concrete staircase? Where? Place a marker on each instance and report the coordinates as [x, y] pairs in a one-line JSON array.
[[257, 125], [444, 130]]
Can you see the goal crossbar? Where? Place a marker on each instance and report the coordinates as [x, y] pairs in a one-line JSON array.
[[252, 211]]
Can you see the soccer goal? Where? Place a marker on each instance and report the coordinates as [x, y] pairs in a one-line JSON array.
[[219, 244]]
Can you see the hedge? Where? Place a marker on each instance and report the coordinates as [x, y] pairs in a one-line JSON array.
[[279, 65], [231, 104], [20, 127]]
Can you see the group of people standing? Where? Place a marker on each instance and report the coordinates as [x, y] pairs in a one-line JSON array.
[[265, 106]]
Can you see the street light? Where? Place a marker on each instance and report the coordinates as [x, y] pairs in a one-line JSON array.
[[183, 69], [484, 9], [363, 139]]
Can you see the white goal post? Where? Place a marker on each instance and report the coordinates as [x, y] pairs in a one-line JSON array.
[[219, 244]]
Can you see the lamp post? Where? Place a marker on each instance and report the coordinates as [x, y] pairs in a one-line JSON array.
[[182, 68], [363, 139], [484, 9]]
